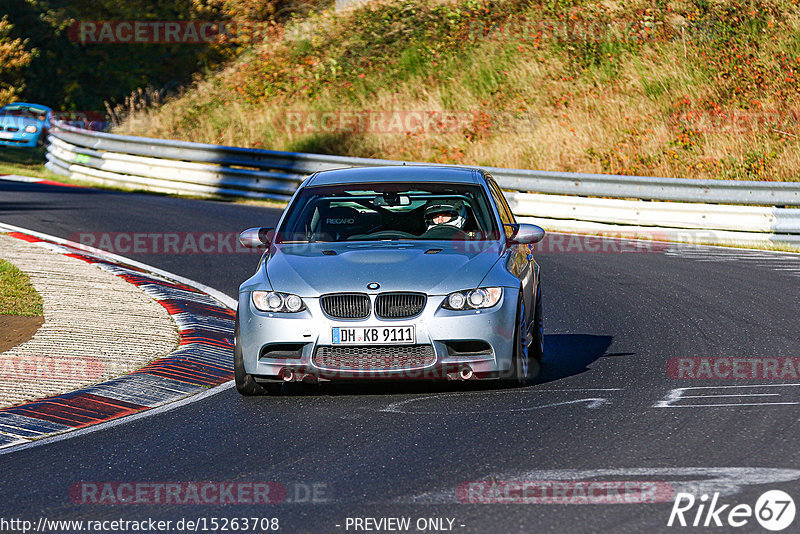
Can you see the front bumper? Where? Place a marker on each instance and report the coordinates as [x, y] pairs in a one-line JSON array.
[[474, 344], [21, 139]]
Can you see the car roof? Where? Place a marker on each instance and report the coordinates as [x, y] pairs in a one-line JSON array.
[[27, 104], [397, 173]]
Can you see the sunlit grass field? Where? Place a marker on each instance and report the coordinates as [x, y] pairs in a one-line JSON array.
[[17, 295], [691, 88]]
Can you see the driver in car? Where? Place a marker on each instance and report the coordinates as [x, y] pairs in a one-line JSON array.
[[445, 213]]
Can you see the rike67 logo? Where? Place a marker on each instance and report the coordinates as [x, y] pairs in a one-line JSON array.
[[774, 511]]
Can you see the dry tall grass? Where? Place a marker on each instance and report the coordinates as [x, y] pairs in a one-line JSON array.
[[673, 103]]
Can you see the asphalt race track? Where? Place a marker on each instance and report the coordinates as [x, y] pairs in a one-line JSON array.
[[604, 408]]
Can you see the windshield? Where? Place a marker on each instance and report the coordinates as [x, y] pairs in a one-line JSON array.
[[26, 112], [391, 211]]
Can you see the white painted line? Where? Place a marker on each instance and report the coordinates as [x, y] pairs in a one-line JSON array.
[[733, 404], [592, 403], [16, 443], [583, 389], [676, 395], [742, 386], [732, 395], [20, 178]]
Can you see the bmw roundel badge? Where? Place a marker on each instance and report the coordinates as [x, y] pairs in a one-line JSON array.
[[373, 285]]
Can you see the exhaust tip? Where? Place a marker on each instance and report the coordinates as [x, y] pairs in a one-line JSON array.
[[288, 375], [465, 373]]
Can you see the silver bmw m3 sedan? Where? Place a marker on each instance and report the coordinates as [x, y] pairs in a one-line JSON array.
[[399, 273]]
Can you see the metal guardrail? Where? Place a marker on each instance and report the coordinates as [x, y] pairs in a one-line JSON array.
[[658, 214], [204, 169]]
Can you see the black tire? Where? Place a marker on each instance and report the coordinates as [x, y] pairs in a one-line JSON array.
[[245, 383], [517, 376], [536, 350]]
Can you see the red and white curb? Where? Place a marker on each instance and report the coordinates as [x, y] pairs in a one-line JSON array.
[[32, 180], [203, 360]]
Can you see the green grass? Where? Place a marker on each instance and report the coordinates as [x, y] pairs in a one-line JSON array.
[[24, 161], [17, 295]]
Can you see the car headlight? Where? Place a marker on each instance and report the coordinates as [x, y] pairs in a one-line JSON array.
[[272, 301], [474, 299], [31, 128]]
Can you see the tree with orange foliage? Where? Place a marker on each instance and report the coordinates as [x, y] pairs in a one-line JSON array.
[[13, 59]]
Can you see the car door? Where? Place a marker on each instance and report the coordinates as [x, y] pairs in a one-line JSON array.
[[520, 259]]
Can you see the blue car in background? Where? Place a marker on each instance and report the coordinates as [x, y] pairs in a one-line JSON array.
[[24, 125]]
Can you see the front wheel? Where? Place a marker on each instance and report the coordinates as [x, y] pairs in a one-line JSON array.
[[245, 383], [518, 374], [537, 345]]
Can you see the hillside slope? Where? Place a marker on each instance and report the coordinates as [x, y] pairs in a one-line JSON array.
[[691, 88]]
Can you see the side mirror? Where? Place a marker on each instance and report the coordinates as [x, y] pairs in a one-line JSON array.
[[256, 237], [526, 234]]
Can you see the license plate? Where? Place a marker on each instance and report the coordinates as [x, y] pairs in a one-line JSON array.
[[374, 335], [7, 135]]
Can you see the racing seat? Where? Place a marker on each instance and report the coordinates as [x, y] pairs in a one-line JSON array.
[[337, 223]]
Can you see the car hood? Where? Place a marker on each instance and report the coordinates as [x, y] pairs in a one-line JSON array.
[[304, 269]]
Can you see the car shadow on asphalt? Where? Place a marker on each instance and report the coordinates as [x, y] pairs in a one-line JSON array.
[[564, 355], [570, 354]]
